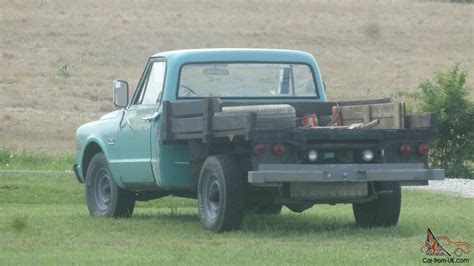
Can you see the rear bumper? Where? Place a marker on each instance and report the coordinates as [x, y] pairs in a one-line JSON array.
[[403, 172]]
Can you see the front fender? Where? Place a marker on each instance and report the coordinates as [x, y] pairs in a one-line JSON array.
[[100, 142], [97, 136], [84, 152], [93, 145]]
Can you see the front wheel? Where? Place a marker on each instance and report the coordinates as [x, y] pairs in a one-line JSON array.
[[104, 197], [384, 210], [221, 194]]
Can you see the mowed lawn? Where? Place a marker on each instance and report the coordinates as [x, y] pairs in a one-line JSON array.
[[44, 220]]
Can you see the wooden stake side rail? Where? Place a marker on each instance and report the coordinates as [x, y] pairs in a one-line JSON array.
[[319, 108], [200, 128], [196, 119]]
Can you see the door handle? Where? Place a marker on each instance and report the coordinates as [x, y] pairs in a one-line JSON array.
[[152, 117]]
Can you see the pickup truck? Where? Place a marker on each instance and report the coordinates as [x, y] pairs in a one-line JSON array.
[[249, 130]]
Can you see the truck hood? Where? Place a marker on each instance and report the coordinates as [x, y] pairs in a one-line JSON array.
[[107, 123], [111, 115]]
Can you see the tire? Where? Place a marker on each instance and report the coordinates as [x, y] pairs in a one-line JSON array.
[[221, 194], [384, 210], [274, 116], [104, 197]]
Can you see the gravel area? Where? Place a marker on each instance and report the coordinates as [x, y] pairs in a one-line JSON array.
[[462, 187]]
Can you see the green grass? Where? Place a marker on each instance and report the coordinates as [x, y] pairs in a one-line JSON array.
[[44, 220], [14, 160]]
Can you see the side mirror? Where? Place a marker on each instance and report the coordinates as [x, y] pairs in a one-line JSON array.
[[120, 93]]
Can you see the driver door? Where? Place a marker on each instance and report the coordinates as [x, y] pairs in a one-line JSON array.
[[134, 149]]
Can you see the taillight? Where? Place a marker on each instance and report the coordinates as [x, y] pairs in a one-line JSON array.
[[405, 149], [423, 149], [278, 149], [259, 149]]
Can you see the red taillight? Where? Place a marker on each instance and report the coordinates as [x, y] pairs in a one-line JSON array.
[[278, 149], [423, 149], [405, 149], [259, 149]]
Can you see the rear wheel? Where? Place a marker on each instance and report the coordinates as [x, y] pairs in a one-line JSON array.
[[104, 197], [221, 194], [384, 210]]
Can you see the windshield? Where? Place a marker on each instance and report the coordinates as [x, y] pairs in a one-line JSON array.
[[246, 80]]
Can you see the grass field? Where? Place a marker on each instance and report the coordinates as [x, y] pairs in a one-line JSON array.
[[58, 59], [44, 220]]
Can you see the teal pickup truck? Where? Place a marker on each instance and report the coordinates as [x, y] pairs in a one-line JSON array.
[[249, 130]]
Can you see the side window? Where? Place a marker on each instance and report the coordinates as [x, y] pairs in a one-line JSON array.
[[153, 84]]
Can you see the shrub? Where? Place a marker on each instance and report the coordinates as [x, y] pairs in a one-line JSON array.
[[446, 95], [64, 71]]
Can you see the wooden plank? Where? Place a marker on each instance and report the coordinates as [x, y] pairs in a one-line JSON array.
[[319, 108], [230, 133], [397, 120], [329, 103], [387, 123], [366, 113], [190, 108], [187, 136], [315, 107], [376, 111], [302, 108], [192, 125], [207, 115], [229, 122], [217, 134], [384, 110], [390, 115], [420, 120], [187, 125], [402, 115], [352, 112]]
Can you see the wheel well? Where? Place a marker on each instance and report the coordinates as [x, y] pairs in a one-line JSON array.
[[91, 149]]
